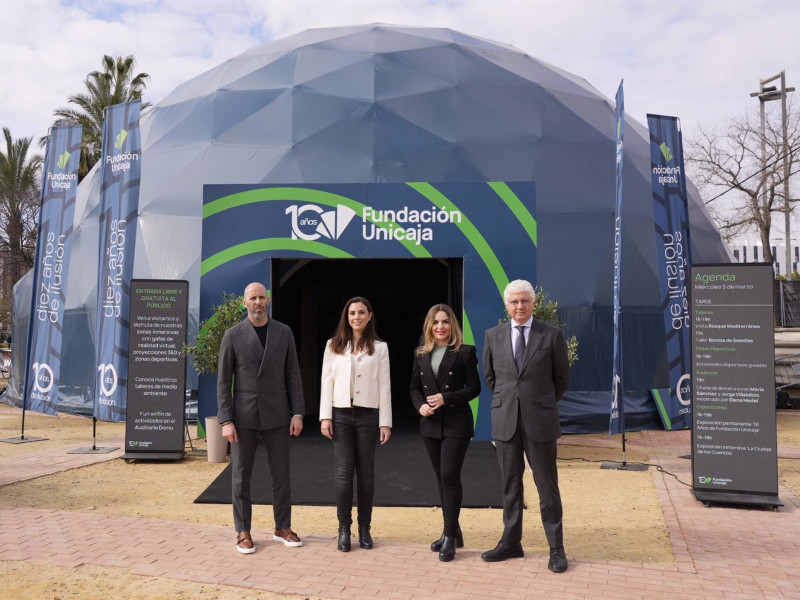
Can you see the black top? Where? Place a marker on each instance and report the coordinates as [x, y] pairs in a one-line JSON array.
[[261, 331]]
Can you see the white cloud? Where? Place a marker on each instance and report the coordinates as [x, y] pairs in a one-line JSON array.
[[697, 60]]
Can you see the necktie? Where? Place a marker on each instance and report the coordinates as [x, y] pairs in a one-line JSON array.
[[519, 347]]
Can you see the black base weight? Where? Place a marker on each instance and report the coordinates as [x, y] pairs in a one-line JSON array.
[[618, 466], [23, 440], [90, 450]]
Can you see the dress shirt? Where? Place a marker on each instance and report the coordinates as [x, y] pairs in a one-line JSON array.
[[515, 332]]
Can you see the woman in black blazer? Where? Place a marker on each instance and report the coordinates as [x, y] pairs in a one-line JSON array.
[[445, 378]]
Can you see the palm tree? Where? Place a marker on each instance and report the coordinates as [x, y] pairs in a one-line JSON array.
[[115, 84], [19, 206]]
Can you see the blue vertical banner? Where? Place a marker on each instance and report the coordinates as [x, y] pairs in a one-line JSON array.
[[616, 423], [119, 206], [671, 219], [51, 267]]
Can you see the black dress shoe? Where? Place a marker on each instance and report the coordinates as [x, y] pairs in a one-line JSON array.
[[344, 538], [364, 537], [558, 560], [459, 538], [448, 549], [503, 551]]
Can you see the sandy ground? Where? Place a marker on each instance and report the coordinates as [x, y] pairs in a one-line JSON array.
[[166, 490]]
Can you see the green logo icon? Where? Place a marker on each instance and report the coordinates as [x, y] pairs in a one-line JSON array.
[[63, 159], [665, 150], [120, 139], [619, 127]]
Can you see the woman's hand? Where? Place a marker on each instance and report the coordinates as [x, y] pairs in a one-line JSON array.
[[386, 433], [435, 401], [425, 410], [326, 427]]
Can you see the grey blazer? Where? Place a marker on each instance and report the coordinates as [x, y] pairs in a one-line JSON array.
[[534, 392], [259, 388]]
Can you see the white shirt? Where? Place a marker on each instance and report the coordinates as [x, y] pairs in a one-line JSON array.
[[515, 333]]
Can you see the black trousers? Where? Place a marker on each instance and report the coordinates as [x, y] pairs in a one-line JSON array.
[[542, 458], [355, 434], [447, 457], [243, 455]]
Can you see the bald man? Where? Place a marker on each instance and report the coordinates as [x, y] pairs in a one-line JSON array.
[[260, 399]]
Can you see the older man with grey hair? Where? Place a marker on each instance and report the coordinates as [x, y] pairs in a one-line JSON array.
[[525, 365]]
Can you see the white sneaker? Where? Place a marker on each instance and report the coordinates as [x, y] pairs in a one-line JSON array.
[[244, 543], [287, 537]]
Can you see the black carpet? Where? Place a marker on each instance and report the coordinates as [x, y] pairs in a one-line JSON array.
[[403, 475]]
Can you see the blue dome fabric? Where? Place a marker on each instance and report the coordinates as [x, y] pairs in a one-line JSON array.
[[380, 103]]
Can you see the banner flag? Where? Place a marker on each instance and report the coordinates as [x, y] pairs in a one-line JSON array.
[[119, 205], [51, 267], [671, 218], [616, 422]]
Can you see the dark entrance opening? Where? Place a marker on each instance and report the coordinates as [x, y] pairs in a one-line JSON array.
[[309, 295]]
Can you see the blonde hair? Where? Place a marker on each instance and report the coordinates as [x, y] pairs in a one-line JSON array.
[[428, 341]]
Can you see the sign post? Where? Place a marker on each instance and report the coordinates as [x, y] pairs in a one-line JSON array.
[[154, 427], [734, 432]]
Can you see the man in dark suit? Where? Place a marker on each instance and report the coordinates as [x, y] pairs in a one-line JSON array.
[[260, 397], [525, 365]]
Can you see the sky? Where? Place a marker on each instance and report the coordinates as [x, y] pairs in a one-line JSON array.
[[694, 59]]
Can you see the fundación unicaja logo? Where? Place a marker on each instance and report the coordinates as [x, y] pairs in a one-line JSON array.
[[703, 479], [120, 139], [121, 161], [666, 152], [63, 159], [61, 180], [310, 222]]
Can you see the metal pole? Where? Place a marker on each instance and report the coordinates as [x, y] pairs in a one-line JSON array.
[[787, 205], [763, 116]]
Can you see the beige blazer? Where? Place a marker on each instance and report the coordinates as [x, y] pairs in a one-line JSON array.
[[372, 386]]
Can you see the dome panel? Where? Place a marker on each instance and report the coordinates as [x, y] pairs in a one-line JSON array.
[[381, 103]]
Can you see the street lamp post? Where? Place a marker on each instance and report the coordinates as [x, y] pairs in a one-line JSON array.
[[764, 94]]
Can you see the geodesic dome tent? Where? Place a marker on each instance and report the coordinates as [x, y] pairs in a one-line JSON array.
[[378, 103]]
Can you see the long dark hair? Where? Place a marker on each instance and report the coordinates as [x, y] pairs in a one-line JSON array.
[[344, 333]]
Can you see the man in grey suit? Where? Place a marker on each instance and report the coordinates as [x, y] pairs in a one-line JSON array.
[[260, 397], [525, 365]]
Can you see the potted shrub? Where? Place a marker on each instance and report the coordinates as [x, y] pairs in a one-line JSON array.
[[204, 354]]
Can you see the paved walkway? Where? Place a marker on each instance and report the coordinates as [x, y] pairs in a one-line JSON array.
[[721, 552]]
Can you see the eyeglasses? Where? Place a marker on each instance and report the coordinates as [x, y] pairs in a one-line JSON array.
[[524, 302]]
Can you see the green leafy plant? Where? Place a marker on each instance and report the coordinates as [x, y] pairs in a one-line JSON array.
[[204, 351], [546, 310]]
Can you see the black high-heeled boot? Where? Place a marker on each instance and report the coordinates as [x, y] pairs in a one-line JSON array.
[[364, 537], [343, 543], [459, 541], [448, 549]]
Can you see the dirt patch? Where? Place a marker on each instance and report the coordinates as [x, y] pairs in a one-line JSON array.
[[28, 581]]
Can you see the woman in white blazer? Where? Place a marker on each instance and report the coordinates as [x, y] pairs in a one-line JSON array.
[[355, 410]]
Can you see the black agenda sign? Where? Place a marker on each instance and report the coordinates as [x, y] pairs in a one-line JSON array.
[[155, 420], [734, 432]]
